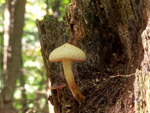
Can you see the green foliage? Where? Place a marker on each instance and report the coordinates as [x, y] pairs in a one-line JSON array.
[[63, 4], [34, 71], [2, 2]]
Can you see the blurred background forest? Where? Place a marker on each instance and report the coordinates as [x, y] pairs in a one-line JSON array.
[[23, 82]]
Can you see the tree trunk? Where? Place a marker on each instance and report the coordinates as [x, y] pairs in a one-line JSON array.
[[47, 6], [23, 93], [55, 8], [110, 33], [13, 65], [54, 38]]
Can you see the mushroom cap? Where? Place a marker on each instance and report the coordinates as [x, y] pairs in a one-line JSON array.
[[58, 85], [67, 51]]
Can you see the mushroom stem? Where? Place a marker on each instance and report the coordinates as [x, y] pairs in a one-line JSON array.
[[71, 81], [58, 95]]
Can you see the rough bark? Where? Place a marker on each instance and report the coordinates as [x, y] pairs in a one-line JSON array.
[[142, 81], [109, 32], [50, 39], [14, 66]]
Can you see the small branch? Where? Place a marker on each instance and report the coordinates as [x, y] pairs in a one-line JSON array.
[[1, 33], [122, 75], [39, 71], [30, 110], [30, 33], [40, 92]]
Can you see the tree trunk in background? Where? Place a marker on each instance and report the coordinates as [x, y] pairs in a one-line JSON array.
[[7, 45], [110, 32], [23, 93], [55, 8], [12, 52], [1, 68], [7, 34], [47, 6]]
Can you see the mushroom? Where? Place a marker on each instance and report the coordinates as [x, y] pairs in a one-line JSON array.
[[66, 54], [58, 86]]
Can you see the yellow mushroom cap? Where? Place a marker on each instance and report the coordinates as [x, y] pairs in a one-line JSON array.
[[67, 51]]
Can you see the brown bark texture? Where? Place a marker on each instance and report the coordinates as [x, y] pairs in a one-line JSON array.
[[110, 32], [14, 58]]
